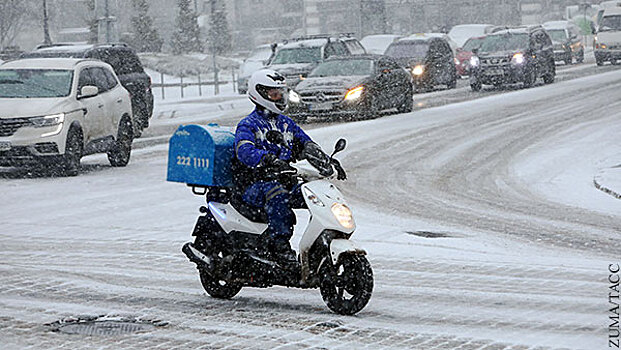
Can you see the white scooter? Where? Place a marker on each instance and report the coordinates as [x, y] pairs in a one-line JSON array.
[[229, 249]]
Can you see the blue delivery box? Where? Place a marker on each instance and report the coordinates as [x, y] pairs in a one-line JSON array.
[[201, 155]]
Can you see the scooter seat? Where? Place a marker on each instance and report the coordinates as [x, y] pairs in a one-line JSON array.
[[250, 212]]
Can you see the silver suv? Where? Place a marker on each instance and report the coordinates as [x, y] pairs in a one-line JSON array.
[[298, 57], [53, 111]]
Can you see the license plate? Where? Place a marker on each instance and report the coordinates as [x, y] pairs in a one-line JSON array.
[[326, 106], [495, 71], [5, 145]]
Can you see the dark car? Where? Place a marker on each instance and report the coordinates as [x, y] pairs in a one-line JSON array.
[[127, 67], [299, 56], [513, 56], [429, 59], [565, 37], [361, 85]]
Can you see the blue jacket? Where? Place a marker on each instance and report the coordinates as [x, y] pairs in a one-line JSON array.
[[251, 143]]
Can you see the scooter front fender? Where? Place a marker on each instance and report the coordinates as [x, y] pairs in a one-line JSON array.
[[339, 246]]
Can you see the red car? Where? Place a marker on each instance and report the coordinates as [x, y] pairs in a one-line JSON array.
[[463, 55]]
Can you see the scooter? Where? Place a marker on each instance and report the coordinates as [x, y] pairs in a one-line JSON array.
[[229, 247]]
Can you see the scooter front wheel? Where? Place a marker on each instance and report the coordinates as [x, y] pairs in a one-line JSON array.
[[218, 288], [347, 287]]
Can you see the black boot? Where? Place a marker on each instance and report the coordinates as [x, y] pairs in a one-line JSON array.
[[283, 254]]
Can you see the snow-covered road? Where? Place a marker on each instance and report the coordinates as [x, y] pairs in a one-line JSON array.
[[462, 210]]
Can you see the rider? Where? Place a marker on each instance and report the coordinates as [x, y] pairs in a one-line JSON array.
[[265, 142]]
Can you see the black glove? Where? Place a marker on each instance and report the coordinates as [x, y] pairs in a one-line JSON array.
[[318, 158], [274, 164], [340, 172]]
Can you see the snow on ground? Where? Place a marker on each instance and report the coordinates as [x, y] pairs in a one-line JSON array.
[[108, 243]]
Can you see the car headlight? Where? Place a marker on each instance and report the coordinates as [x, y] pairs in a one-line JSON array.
[[418, 70], [474, 61], [312, 197], [354, 94], [518, 58], [48, 120], [294, 97], [343, 215]]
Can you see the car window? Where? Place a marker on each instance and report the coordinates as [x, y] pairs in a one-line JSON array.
[[403, 49], [297, 55], [341, 49], [99, 78], [112, 82], [504, 42], [30, 83], [343, 68], [557, 35], [85, 79], [610, 23], [354, 47]]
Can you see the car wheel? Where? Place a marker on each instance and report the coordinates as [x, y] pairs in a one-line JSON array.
[[453, 83], [475, 84], [407, 104], [599, 62], [548, 78], [74, 147], [370, 109], [120, 152], [614, 62], [530, 78]]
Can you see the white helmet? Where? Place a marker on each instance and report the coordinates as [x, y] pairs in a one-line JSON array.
[[267, 89]]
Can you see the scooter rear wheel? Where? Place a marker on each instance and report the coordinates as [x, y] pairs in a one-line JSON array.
[[346, 288], [218, 288]]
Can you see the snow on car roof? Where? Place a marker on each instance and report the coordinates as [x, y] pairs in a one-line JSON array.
[[557, 24], [67, 48], [305, 43], [43, 63]]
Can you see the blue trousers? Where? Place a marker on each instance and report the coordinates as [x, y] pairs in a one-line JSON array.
[[278, 203]]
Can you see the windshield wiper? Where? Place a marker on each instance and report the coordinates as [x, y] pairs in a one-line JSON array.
[[10, 81]]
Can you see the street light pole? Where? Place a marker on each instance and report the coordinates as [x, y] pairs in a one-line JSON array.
[[47, 40]]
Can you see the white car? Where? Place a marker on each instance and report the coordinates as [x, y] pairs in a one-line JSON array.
[[462, 32], [53, 111], [258, 59], [608, 37], [378, 43]]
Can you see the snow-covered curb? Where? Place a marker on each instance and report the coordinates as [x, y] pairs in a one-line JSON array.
[[609, 181]]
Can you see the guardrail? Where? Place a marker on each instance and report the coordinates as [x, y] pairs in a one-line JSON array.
[[200, 83]]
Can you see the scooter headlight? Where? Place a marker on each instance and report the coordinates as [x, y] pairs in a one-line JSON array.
[[312, 197], [343, 215]]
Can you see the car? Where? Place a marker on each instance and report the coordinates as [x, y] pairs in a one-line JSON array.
[[54, 111], [259, 58], [299, 56], [608, 37], [462, 32], [352, 86], [126, 65], [378, 43], [521, 54], [565, 37], [429, 59], [465, 53]]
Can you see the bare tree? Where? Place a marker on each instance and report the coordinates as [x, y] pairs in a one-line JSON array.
[[12, 18]]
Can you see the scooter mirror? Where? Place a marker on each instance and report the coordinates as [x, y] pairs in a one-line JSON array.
[[340, 145]]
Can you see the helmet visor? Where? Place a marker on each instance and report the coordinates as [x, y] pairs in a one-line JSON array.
[[278, 95]]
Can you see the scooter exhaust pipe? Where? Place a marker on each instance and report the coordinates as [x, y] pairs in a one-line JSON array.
[[196, 256]]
